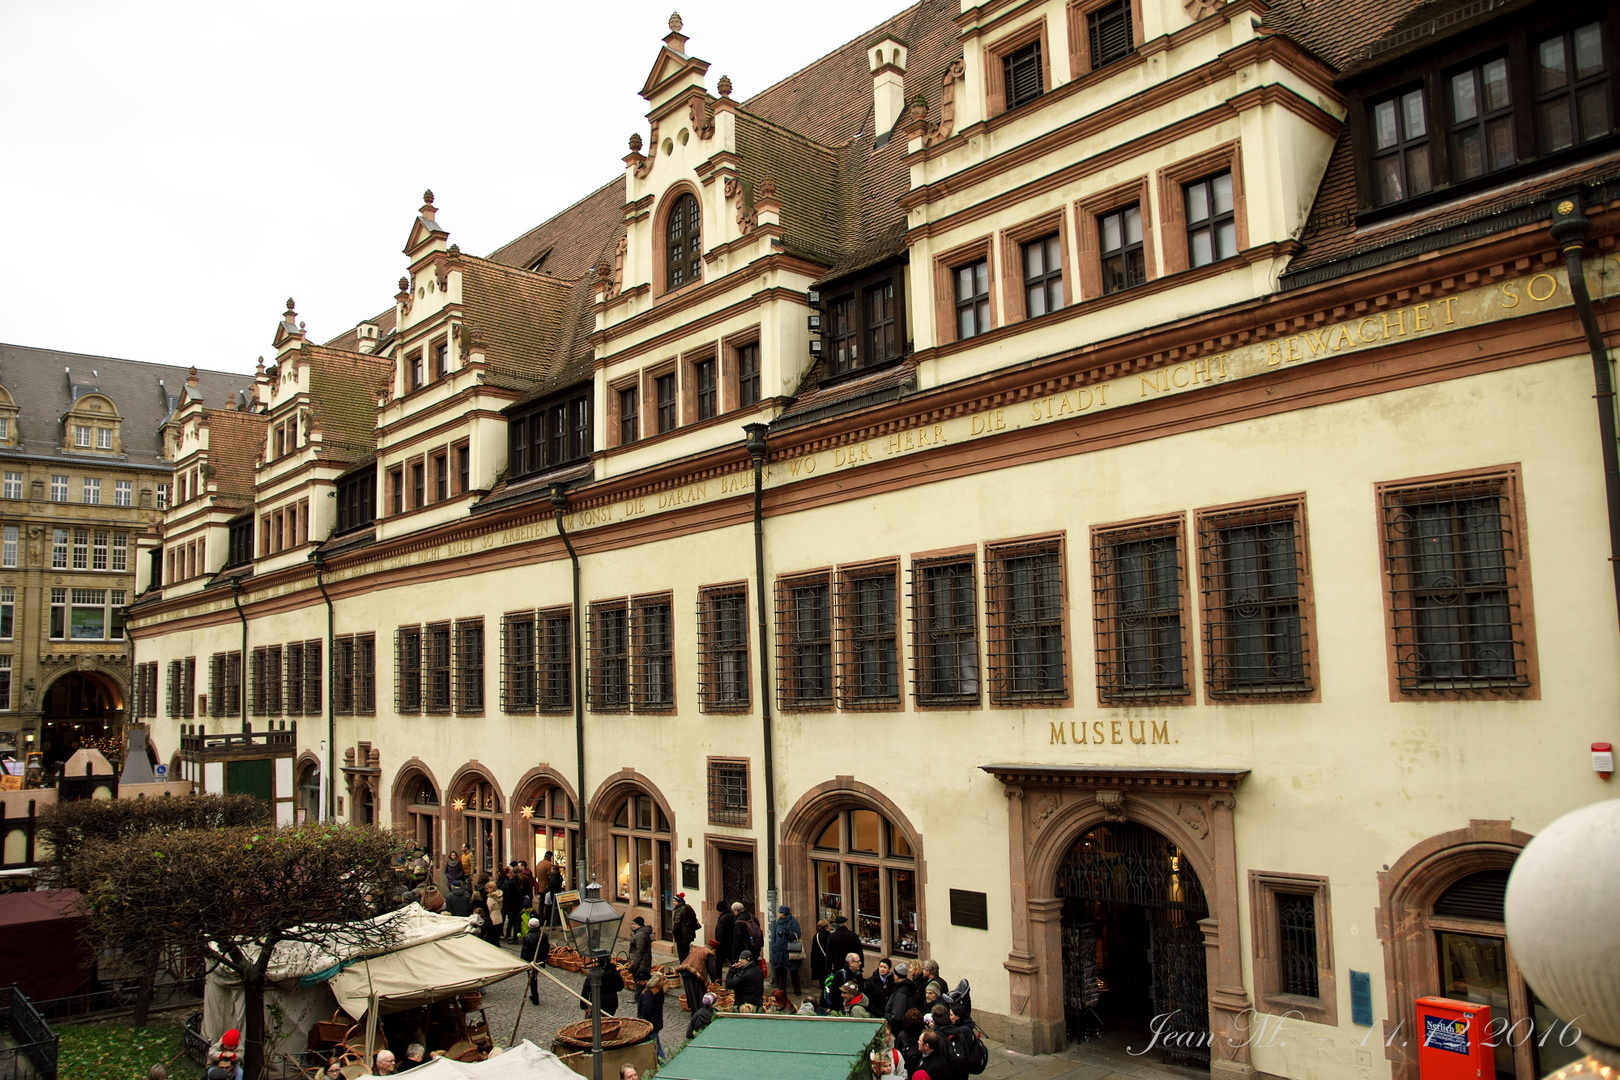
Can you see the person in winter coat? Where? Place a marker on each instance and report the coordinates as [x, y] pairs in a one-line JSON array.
[[496, 900], [878, 985], [695, 975], [842, 942], [513, 890], [742, 936], [686, 927], [785, 965], [702, 1017], [639, 954], [724, 929], [529, 953], [612, 983], [459, 901], [746, 981], [650, 1007], [821, 961], [901, 999], [452, 872], [934, 1061], [855, 1002]]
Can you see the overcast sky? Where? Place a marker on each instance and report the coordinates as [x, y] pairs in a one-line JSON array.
[[171, 172]]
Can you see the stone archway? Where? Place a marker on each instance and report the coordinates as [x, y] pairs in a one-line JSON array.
[[1049, 808], [632, 838], [476, 818], [82, 706], [546, 818], [416, 809]]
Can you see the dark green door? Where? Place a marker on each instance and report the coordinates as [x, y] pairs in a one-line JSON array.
[[250, 778]]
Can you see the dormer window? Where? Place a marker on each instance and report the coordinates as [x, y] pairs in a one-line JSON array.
[[1400, 147], [555, 433], [1572, 88], [81, 436], [684, 247]]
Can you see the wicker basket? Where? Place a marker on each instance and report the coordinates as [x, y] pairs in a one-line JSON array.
[[561, 956], [616, 1031]]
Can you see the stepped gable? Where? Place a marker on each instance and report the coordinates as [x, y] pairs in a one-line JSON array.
[[343, 388], [42, 383], [235, 443]]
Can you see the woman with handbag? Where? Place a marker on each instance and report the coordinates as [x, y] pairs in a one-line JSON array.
[[787, 950]]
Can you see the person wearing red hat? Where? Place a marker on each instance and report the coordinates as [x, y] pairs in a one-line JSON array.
[[225, 1061], [686, 926]]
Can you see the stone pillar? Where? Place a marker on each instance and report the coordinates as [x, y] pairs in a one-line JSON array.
[[1229, 1009]]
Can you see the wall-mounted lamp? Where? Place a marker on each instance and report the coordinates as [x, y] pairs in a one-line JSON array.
[[1603, 759], [813, 295], [815, 346], [814, 321]]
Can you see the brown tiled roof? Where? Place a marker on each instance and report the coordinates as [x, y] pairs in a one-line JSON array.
[[350, 340], [575, 240], [235, 441], [515, 315], [808, 179], [343, 388], [1337, 31]]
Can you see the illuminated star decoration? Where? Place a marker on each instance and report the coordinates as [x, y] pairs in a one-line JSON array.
[[460, 804], [527, 812]]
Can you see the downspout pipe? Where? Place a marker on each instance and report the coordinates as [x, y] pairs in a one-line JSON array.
[[242, 671], [328, 789], [757, 448], [1570, 229], [581, 865]]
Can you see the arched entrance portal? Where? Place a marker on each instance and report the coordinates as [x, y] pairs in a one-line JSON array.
[[82, 709], [1133, 949]]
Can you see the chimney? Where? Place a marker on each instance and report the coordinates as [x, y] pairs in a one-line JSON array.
[[887, 59], [367, 334]]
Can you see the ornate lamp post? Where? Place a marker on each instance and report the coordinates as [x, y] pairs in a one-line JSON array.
[[599, 921], [1562, 926]]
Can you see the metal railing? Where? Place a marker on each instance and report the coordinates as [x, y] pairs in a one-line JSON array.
[[35, 1047]]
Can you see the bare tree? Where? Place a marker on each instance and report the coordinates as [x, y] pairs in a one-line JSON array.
[[232, 895]]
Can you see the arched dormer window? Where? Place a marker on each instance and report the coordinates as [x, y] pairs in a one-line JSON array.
[[683, 252]]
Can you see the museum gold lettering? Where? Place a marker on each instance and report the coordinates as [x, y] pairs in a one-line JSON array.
[[632, 507], [1099, 732], [986, 422], [681, 496], [1448, 301], [1547, 289], [1420, 318], [1399, 316], [1138, 730], [742, 481], [850, 455], [902, 441], [1161, 732], [805, 464]]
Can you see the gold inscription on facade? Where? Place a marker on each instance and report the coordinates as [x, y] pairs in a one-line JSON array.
[[987, 423], [1109, 732], [903, 442], [631, 507], [681, 496], [852, 455]]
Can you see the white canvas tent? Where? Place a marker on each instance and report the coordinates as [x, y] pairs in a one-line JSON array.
[[433, 957], [525, 1061]]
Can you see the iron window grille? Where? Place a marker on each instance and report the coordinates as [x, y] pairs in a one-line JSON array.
[[653, 660], [748, 374], [438, 670], [629, 414], [1254, 582], [868, 625], [804, 672], [1138, 577], [469, 688], [408, 669], [293, 696], [609, 686], [708, 397], [1043, 275], [365, 674], [188, 687], [945, 631], [1400, 138], [343, 676], [173, 696], [555, 660], [1021, 75], [1572, 88], [267, 680], [1025, 600], [728, 792], [1481, 120], [684, 251], [225, 684], [668, 416], [519, 672], [1124, 262], [723, 676], [1110, 31], [1296, 953], [1211, 219], [972, 298], [1453, 567]]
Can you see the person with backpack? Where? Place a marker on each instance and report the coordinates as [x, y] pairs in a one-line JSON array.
[[787, 950], [934, 1062], [963, 1043], [901, 998], [686, 926]]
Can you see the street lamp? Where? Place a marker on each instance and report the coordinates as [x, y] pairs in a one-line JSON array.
[[600, 922]]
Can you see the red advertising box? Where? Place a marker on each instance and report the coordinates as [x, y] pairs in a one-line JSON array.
[[1453, 1035]]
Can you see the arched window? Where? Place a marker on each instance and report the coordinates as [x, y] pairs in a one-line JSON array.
[[684, 252], [553, 826], [641, 858], [421, 810], [482, 820], [309, 792], [865, 870]]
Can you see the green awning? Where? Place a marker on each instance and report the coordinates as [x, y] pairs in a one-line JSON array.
[[747, 1046]]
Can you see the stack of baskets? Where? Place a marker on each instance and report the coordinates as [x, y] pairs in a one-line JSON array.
[[561, 956]]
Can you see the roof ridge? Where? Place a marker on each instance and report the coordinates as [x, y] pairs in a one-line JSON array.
[[552, 217], [815, 144], [863, 35], [127, 360]]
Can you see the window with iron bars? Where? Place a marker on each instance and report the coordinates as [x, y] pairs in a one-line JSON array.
[[1025, 597], [408, 669], [869, 641], [343, 675], [723, 675], [653, 656], [354, 674], [188, 687], [225, 684], [728, 791], [945, 631], [609, 684], [1252, 570], [804, 632], [1296, 954], [173, 696], [293, 696], [1452, 557], [1137, 577], [555, 660], [469, 687], [267, 680], [437, 668], [518, 663]]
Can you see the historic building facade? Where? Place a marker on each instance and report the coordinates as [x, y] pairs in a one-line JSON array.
[[1056, 484], [86, 478]]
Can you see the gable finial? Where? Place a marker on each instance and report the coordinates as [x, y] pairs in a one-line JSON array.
[[427, 196], [725, 86], [675, 23], [290, 311]]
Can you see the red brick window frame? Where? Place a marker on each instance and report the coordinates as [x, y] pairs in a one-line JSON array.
[[729, 797], [731, 373], [651, 404], [1143, 626], [1080, 33], [1259, 625], [1458, 616], [1173, 201], [1292, 935], [1088, 214], [652, 652], [661, 239], [615, 436], [725, 677], [806, 658], [871, 617], [1027, 602], [698, 389], [945, 266], [997, 92], [1014, 294]]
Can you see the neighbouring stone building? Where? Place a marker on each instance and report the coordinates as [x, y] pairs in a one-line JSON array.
[[1055, 483]]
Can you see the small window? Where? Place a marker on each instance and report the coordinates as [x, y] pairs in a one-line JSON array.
[[653, 677], [1211, 224], [8, 553], [14, 485], [684, 247], [1021, 74], [805, 631], [103, 438], [92, 491], [1481, 120], [945, 631], [748, 374], [396, 488], [518, 672], [629, 414], [1572, 88], [408, 669], [703, 374], [1255, 587], [1110, 31], [441, 360], [1043, 275], [1024, 591], [882, 333], [728, 792], [463, 467], [81, 435], [1400, 130], [668, 417], [418, 484], [469, 677], [8, 611], [1124, 263], [609, 685], [842, 340], [972, 298], [723, 671], [416, 373], [1293, 952], [437, 669], [869, 651], [123, 492], [441, 477]]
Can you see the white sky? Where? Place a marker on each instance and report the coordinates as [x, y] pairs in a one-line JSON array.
[[172, 171]]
